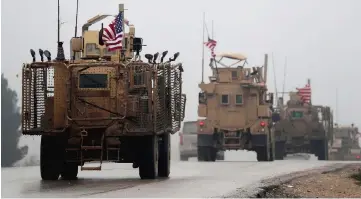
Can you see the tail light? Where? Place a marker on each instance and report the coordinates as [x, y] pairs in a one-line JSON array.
[[181, 138], [263, 124], [201, 123], [358, 157]]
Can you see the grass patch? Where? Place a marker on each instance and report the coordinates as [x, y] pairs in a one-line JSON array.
[[357, 177]]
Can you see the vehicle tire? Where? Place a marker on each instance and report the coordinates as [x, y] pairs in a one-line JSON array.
[[70, 171], [164, 150], [212, 154], [207, 154], [200, 154], [220, 157], [280, 150], [262, 153], [320, 147], [148, 167], [51, 157]]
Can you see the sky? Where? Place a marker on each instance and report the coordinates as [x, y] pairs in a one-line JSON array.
[[320, 38]]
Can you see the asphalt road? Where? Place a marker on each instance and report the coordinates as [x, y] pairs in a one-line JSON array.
[[188, 179]]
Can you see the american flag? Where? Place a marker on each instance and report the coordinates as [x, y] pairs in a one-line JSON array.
[[305, 93], [211, 44], [113, 34]]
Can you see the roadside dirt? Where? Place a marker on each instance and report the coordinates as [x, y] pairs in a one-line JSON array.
[[341, 183]]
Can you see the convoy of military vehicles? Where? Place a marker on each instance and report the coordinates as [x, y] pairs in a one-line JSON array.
[[101, 105]]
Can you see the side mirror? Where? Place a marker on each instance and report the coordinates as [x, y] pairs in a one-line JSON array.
[[155, 56], [41, 53], [149, 57], [176, 56], [47, 55], [32, 52], [163, 55]]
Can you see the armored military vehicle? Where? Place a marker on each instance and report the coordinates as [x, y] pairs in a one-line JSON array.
[[102, 106], [303, 128], [345, 143], [234, 109]]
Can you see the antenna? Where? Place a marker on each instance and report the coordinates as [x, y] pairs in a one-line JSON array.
[[203, 48], [76, 24], [284, 77], [212, 31], [336, 111], [58, 21], [274, 77], [60, 54]]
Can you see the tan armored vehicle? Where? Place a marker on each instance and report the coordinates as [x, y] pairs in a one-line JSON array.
[[102, 106], [345, 143], [303, 128], [234, 110]]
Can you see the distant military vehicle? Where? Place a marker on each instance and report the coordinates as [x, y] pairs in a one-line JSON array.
[[188, 142], [303, 128], [102, 106], [345, 143], [234, 110]]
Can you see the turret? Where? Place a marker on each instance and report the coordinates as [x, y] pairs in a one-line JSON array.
[[91, 46]]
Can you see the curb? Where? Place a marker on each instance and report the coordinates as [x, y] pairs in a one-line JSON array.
[[259, 190]]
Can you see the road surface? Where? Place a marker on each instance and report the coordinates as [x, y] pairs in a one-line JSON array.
[[188, 179]]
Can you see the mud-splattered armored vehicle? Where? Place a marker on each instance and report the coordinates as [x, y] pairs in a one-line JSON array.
[[102, 106], [234, 110], [345, 143], [303, 128]]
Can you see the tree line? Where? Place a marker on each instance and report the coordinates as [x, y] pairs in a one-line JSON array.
[[10, 126]]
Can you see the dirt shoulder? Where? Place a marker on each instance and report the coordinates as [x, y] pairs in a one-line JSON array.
[[340, 183]]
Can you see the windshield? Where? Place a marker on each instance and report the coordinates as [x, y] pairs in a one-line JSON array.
[[297, 114], [93, 81], [190, 128]]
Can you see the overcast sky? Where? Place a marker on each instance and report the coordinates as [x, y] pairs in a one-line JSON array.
[[321, 39]]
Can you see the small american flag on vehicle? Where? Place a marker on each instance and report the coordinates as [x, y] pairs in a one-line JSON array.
[[211, 44], [305, 93], [113, 34]]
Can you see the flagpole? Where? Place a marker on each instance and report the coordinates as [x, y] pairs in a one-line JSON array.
[[203, 48], [309, 84], [212, 31]]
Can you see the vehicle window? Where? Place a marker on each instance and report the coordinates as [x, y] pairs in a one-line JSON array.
[[106, 52], [239, 99], [297, 114], [190, 128], [202, 98], [93, 81], [234, 75], [91, 48], [224, 99]]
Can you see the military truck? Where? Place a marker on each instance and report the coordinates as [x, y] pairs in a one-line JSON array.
[[345, 143], [102, 106], [234, 109], [303, 128]]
